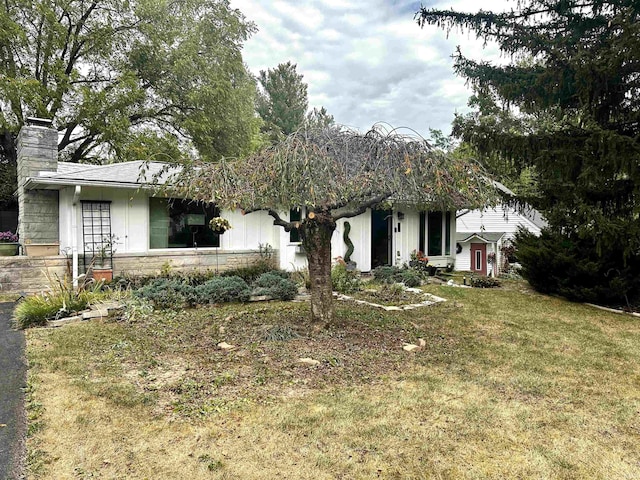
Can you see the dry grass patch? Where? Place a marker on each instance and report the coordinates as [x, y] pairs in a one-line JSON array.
[[510, 385]]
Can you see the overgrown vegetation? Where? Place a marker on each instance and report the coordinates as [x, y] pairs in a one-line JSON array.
[[484, 282], [344, 280], [517, 384], [60, 301]]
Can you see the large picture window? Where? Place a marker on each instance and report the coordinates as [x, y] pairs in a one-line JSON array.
[[175, 223]]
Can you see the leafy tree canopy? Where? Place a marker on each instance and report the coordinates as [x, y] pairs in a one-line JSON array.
[[568, 106], [339, 170], [128, 79]]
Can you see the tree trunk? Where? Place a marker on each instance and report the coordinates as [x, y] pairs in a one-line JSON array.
[[316, 239]]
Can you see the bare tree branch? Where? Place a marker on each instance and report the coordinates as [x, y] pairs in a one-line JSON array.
[[277, 220], [360, 209]]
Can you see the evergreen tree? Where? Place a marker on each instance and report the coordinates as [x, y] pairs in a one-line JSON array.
[[282, 103], [571, 112], [320, 118]]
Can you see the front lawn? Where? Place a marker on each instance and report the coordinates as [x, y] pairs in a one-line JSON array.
[[511, 384]]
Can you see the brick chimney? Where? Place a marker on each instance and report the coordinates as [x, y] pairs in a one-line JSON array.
[[38, 210]]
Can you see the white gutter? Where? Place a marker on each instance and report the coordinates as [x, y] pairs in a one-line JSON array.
[[40, 182], [74, 234]]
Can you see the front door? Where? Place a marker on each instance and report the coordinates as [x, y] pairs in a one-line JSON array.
[[479, 258], [381, 237]]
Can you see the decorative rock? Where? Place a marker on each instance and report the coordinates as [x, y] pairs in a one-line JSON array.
[[409, 347], [225, 346], [64, 321], [309, 361], [260, 298], [95, 314]]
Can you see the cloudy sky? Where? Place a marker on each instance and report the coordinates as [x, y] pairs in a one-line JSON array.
[[367, 61]]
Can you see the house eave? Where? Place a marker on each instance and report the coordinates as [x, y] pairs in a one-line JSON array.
[[44, 183]]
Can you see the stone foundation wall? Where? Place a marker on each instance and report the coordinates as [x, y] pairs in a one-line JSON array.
[[141, 264], [22, 274], [30, 274]]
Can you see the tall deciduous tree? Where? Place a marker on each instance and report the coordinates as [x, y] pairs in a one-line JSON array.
[[336, 173], [572, 112], [123, 80], [282, 102]]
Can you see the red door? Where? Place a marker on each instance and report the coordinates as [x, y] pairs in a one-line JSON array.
[[479, 258]]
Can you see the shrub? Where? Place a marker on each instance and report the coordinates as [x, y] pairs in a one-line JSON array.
[[410, 278], [63, 300], [223, 289], [345, 281], [387, 274], [249, 273], [484, 282], [167, 293], [419, 262], [575, 268], [275, 285]]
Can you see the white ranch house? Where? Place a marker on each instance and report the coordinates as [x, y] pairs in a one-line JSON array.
[[71, 211]]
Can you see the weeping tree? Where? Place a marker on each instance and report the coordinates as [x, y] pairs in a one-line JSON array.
[[335, 173]]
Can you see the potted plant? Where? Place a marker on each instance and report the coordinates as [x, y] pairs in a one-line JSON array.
[[219, 225], [8, 244], [102, 269]]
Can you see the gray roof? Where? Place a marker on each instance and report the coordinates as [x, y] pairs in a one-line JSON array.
[[487, 237], [124, 175]]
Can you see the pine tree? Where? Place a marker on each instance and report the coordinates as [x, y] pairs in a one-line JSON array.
[[570, 109], [282, 103]]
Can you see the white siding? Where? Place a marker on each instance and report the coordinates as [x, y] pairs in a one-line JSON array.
[[248, 232], [497, 219], [130, 224]]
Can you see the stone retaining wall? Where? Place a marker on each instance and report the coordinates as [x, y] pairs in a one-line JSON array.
[[31, 274], [141, 264]]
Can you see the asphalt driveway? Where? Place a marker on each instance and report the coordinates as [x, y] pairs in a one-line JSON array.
[[12, 383]]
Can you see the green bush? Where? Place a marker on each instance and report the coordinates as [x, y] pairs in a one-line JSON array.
[[484, 282], [223, 289], [345, 281], [411, 278], [387, 274], [250, 273], [62, 301], [168, 293], [275, 285]]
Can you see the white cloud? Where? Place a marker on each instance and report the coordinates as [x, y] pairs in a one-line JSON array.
[[367, 61]]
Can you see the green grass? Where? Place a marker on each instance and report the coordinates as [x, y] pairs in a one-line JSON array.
[[511, 384]]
